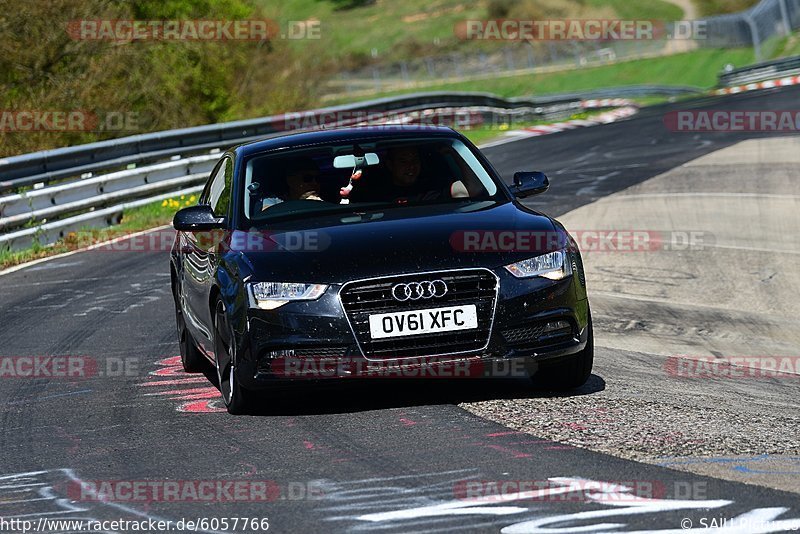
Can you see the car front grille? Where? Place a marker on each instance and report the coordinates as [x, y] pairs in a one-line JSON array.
[[470, 286]]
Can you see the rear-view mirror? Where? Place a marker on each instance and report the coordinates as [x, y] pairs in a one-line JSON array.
[[350, 161]]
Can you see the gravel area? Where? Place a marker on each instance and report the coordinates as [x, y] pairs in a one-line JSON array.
[[644, 430], [631, 409]]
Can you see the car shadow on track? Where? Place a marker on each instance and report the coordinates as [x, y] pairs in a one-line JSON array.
[[358, 395]]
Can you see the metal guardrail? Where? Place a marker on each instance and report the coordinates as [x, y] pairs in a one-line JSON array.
[[65, 190], [31, 206], [49, 233], [50, 165], [759, 72], [758, 26], [64, 163], [67, 197], [634, 91]]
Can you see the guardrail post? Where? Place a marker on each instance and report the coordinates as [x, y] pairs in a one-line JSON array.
[[431, 69], [376, 77], [457, 63], [510, 63], [754, 34], [787, 24]]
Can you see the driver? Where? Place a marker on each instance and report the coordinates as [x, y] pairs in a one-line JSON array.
[[402, 180], [301, 180]]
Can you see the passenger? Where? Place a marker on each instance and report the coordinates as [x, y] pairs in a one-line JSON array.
[[401, 180]]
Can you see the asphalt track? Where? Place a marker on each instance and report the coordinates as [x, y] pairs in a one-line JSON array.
[[388, 457]]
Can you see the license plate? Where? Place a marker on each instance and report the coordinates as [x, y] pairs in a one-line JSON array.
[[428, 321]]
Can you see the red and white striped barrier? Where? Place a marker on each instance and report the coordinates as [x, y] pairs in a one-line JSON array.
[[625, 108], [603, 118], [607, 103], [769, 84]]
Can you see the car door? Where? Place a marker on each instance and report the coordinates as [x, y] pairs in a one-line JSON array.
[[200, 256]]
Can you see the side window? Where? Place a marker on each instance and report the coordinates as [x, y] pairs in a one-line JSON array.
[[218, 191], [204, 195]]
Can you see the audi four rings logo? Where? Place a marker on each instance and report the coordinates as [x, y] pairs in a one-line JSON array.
[[419, 290]]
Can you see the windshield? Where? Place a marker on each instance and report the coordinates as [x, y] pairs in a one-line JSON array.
[[349, 177]]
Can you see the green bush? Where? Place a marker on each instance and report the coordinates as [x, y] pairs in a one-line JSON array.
[[163, 84]]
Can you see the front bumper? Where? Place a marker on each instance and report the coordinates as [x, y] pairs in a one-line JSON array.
[[534, 320]]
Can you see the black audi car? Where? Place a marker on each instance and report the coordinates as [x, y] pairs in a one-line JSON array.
[[395, 246]]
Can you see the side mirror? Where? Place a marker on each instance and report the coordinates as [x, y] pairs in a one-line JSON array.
[[527, 184], [197, 219]]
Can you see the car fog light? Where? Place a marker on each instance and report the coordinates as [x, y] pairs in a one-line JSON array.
[[552, 326], [273, 354]]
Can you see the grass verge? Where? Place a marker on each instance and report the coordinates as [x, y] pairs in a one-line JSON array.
[[698, 68], [408, 29]]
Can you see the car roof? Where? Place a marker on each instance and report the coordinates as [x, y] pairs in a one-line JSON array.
[[342, 135]]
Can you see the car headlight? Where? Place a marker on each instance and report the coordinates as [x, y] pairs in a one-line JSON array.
[[553, 265], [271, 295]]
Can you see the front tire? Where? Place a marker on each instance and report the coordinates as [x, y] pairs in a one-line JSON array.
[[236, 398], [570, 372]]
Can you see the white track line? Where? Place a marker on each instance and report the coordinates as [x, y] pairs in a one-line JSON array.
[[85, 249]]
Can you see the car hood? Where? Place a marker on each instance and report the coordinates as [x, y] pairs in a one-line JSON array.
[[336, 249]]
